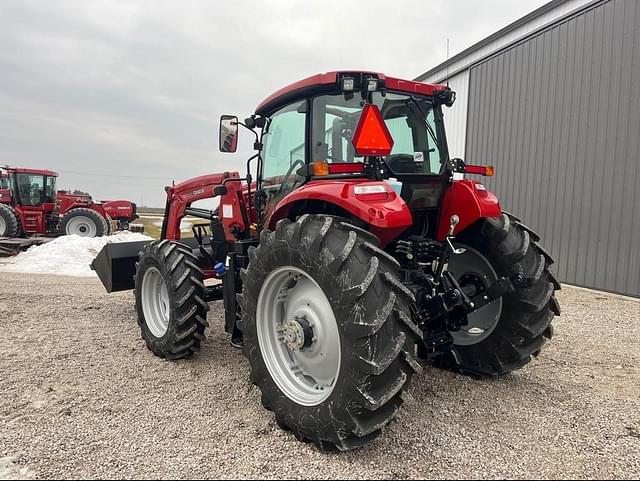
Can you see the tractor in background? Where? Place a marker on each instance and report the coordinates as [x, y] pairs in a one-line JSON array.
[[348, 252], [31, 205]]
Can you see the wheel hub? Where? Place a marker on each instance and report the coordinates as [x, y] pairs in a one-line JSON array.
[[297, 334], [475, 273], [82, 226]]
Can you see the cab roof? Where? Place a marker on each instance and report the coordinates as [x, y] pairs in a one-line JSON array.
[[20, 170], [329, 82]]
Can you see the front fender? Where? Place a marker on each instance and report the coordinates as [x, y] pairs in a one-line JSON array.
[[469, 200], [386, 214]]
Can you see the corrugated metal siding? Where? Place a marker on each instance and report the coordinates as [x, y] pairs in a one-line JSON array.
[[559, 116], [455, 118]]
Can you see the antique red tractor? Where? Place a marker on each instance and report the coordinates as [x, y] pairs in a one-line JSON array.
[[30, 204], [351, 253]]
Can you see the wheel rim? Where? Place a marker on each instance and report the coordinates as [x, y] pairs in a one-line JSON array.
[[473, 267], [82, 226], [298, 336], [3, 226], [155, 302]]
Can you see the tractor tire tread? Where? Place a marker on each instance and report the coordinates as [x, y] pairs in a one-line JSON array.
[[528, 312], [188, 318], [370, 303], [13, 227]]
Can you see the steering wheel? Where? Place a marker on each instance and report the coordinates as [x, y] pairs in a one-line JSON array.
[[285, 181], [403, 164]]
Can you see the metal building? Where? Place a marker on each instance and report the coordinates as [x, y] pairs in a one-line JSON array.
[[553, 102]]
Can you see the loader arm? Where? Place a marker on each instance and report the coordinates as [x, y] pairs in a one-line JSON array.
[[232, 205]]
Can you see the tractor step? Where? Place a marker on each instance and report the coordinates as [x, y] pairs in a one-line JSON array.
[[11, 246]]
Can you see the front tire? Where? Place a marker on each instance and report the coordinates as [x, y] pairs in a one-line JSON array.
[[9, 222], [170, 302], [523, 318], [332, 304], [84, 223], [109, 225]]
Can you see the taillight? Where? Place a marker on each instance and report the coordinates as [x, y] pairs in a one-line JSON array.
[[486, 170], [347, 168]]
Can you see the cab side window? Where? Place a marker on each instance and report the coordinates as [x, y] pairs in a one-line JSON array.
[[284, 142]]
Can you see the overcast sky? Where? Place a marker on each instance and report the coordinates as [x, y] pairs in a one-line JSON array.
[[122, 97]]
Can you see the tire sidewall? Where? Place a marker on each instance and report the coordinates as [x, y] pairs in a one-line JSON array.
[[12, 223], [98, 221], [158, 344]]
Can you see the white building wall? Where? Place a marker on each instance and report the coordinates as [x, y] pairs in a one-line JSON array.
[[522, 31], [455, 118]]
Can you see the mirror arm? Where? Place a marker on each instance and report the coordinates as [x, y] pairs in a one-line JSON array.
[[253, 132]]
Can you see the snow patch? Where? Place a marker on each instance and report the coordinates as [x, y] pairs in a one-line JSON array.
[[66, 256], [9, 469]]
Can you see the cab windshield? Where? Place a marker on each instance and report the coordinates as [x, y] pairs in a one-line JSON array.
[[410, 119]]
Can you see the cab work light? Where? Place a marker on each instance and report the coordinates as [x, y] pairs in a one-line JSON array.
[[348, 84], [372, 137]]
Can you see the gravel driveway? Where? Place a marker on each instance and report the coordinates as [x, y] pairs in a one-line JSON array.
[[82, 397]]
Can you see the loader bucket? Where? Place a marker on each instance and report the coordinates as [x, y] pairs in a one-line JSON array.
[[116, 265]]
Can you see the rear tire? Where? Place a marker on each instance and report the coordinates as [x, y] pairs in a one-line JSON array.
[[83, 222], [369, 306], [170, 302], [9, 222], [525, 320]]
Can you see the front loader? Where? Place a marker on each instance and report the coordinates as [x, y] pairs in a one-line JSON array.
[[347, 252]]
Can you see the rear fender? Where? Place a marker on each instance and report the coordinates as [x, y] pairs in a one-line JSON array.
[[470, 201], [384, 212]]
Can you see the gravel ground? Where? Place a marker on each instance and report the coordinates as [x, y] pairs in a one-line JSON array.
[[82, 397]]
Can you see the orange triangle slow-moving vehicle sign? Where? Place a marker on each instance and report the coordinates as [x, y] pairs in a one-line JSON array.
[[372, 137]]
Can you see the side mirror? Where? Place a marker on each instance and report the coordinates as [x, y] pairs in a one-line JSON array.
[[228, 133]]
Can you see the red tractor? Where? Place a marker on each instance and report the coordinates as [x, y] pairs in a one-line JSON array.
[[30, 204], [350, 254]]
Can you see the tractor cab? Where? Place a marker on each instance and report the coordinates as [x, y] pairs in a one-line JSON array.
[[28, 188], [349, 126], [32, 193], [34, 188]]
